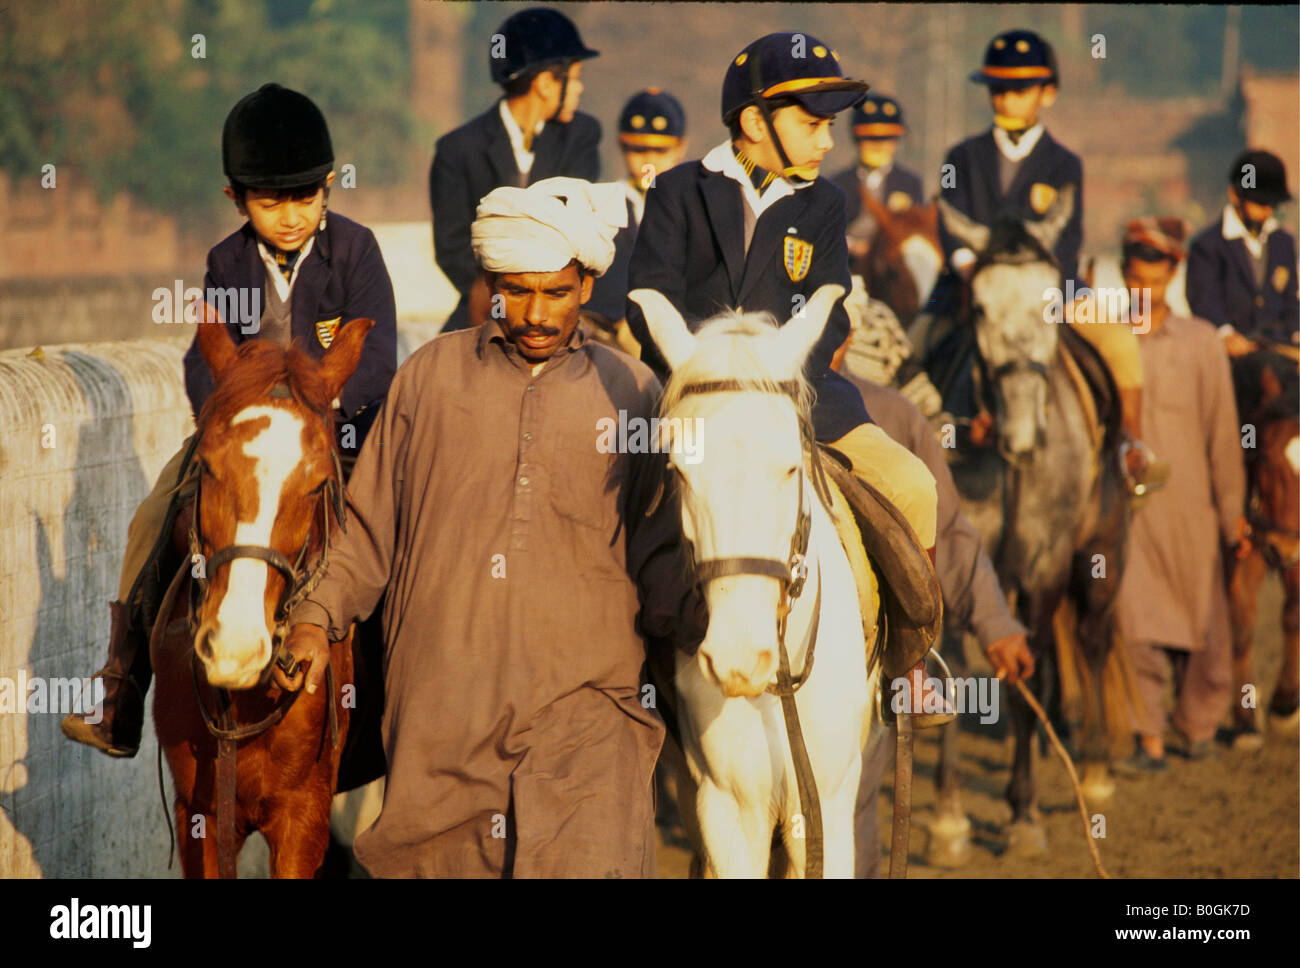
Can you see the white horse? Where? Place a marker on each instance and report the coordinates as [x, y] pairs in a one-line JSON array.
[[741, 500]]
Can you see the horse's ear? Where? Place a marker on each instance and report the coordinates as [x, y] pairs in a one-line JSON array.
[[964, 228], [214, 341], [1054, 222], [341, 359], [675, 340], [801, 333]]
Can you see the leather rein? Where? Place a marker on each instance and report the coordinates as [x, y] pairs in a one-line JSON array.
[[792, 573], [299, 583]]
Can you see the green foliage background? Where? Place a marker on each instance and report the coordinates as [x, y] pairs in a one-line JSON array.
[[112, 88]]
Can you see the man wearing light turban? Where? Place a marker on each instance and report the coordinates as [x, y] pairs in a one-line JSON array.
[[487, 515]]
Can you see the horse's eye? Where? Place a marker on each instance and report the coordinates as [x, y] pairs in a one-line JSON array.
[[792, 472]]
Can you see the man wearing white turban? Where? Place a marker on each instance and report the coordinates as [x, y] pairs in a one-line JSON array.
[[486, 507], [546, 226]]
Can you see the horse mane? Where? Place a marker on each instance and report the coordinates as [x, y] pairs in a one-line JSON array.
[[726, 349], [1010, 243], [258, 366]]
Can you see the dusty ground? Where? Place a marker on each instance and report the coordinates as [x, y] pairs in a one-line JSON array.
[[1237, 816]]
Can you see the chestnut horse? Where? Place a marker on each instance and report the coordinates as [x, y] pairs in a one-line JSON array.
[[904, 256], [269, 481], [1268, 399]]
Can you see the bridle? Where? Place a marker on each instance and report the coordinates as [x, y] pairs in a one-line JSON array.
[[792, 572], [298, 585], [298, 582]]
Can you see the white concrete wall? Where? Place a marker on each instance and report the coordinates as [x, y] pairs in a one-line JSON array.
[[84, 433]]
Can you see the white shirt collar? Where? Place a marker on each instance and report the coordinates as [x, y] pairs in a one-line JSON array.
[[1235, 228], [523, 157], [283, 286], [1021, 150], [723, 160]]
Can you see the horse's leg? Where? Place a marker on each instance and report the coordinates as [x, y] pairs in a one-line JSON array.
[[1284, 710], [950, 830], [1095, 597], [737, 839], [196, 835], [1243, 601], [298, 834], [1026, 836], [838, 846]]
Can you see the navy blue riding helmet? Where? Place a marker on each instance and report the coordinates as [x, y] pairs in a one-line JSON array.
[[1017, 59], [878, 118], [651, 119], [789, 65]]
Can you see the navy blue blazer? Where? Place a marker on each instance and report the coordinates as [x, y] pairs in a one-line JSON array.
[[691, 248], [609, 292], [476, 158], [1221, 285], [343, 278], [977, 192], [896, 180]]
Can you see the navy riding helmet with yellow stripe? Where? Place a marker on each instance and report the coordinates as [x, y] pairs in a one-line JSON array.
[[878, 118], [789, 66], [651, 119], [1017, 59]]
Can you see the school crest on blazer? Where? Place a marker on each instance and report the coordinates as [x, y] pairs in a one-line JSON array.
[[1041, 197], [1280, 277], [325, 330], [798, 258]]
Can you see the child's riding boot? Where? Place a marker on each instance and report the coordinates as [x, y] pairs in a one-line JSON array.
[[115, 725]]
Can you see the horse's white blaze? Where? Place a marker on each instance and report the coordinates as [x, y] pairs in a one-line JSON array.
[[241, 642], [923, 261], [1293, 454]]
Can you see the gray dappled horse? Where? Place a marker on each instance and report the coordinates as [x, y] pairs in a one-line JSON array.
[[1046, 500]]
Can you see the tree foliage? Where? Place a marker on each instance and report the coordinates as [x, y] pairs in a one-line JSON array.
[[113, 89]]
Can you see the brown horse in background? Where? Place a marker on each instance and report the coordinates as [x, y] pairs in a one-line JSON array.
[[1267, 399], [259, 539], [903, 258]]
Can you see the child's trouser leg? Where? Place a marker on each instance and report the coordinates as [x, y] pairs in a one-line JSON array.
[[897, 473]]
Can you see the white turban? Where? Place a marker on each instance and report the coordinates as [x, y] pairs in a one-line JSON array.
[[545, 226]]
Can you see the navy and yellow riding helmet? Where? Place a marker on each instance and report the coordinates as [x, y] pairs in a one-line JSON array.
[[1017, 59], [651, 119], [790, 65], [878, 118]]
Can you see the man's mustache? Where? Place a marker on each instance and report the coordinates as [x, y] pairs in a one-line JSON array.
[[520, 332]]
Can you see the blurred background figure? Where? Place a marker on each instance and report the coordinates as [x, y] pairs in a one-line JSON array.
[[535, 131], [878, 128], [1241, 274]]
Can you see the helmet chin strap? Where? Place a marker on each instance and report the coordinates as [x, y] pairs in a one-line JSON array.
[[804, 172]]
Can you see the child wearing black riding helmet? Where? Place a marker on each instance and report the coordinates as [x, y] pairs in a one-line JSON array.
[[303, 275]]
